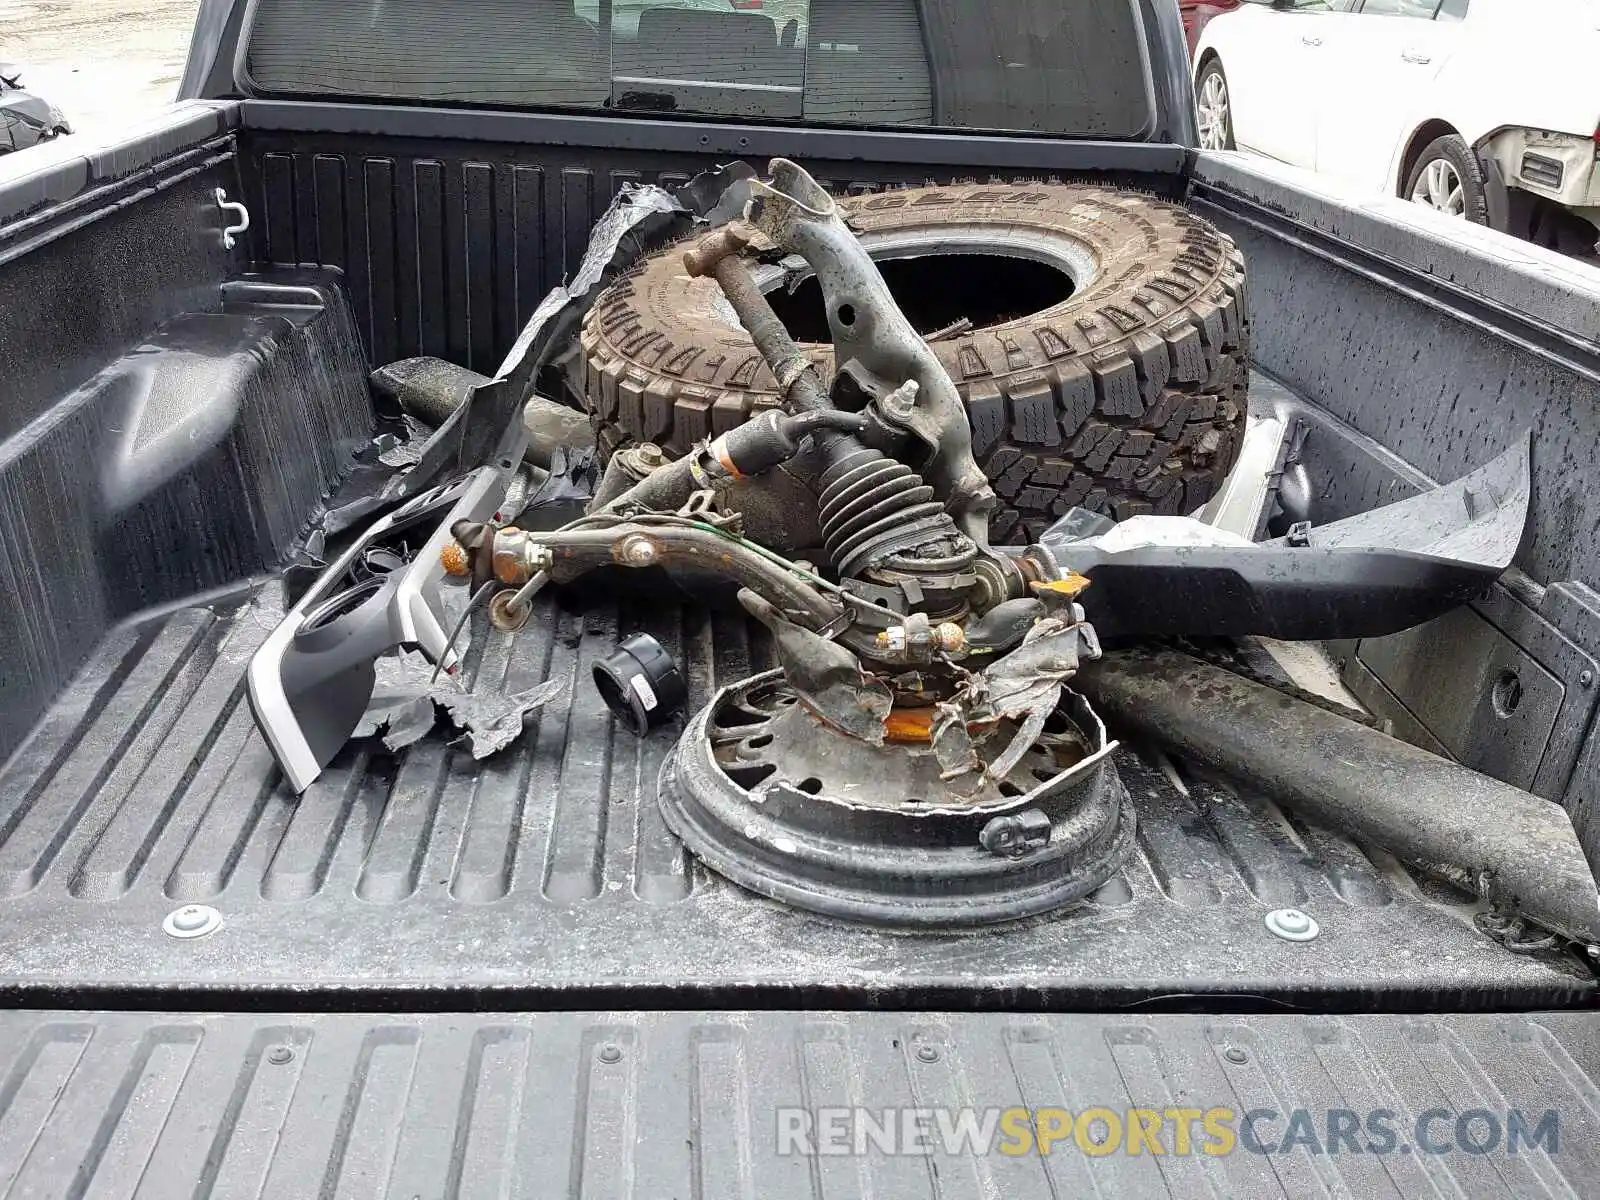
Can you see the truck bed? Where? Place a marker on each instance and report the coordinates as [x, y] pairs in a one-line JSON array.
[[545, 877]]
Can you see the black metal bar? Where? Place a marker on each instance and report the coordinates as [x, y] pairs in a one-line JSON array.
[[1478, 833]]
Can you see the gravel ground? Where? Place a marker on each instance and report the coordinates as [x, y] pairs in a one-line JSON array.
[[103, 62]]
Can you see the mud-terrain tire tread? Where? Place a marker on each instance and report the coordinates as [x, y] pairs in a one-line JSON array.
[[1127, 398]]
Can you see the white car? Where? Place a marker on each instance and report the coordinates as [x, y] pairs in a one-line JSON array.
[[1486, 109]]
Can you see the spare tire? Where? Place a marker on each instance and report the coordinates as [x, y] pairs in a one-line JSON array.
[[1103, 354]]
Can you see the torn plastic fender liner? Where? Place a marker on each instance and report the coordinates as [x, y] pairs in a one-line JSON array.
[[1376, 573]]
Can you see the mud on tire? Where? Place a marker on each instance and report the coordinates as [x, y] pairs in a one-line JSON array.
[[1125, 393]]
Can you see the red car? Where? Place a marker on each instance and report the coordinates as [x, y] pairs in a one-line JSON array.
[[1197, 12]]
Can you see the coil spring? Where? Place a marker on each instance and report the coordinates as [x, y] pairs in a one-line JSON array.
[[873, 508]]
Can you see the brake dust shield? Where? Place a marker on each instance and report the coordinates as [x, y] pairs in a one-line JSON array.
[[769, 795]]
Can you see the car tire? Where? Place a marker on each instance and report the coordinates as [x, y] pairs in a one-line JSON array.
[[1448, 178], [1214, 107], [1121, 390]]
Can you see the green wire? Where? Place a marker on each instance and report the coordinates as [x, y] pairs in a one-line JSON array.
[[772, 557]]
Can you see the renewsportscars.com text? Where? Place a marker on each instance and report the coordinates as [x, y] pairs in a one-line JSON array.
[[1101, 1131]]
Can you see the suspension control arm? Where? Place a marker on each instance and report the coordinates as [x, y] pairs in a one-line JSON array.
[[575, 552]]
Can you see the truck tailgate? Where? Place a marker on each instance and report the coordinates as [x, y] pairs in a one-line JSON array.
[[694, 1104]]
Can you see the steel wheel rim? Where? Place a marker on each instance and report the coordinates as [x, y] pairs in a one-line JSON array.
[[1212, 111], [1439, 187]]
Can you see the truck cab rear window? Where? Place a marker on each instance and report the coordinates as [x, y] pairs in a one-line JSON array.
[[1073, 67]]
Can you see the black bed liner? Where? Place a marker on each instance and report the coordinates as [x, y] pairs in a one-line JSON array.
[[545, 877], [686, 1104]]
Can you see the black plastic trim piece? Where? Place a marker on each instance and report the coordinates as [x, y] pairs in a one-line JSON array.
[[1497, 197], [1307, 594], [1542, 169]]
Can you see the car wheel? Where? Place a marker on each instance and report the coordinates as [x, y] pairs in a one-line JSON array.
[[1213, 108], [1446, 177]]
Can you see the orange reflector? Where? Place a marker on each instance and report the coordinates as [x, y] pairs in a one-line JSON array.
[[909, 725], [1069, 587]]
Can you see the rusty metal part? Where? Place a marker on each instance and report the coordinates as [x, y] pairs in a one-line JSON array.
[[1028, 570], [999, 578], [517, 556], [876, 513], [506, 615], [766, 793], [707, 253], [636, 550], [826, 677], [954, 751], [662, 490], [521, 598], [919, 640], [476, 539], [869, 329], [1487, 837], [647, 456], [899, 420], [718, 255], [624, 469], [1026, 737], [575, 552], [903, 779], [1017, 683], [1022, 687]]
